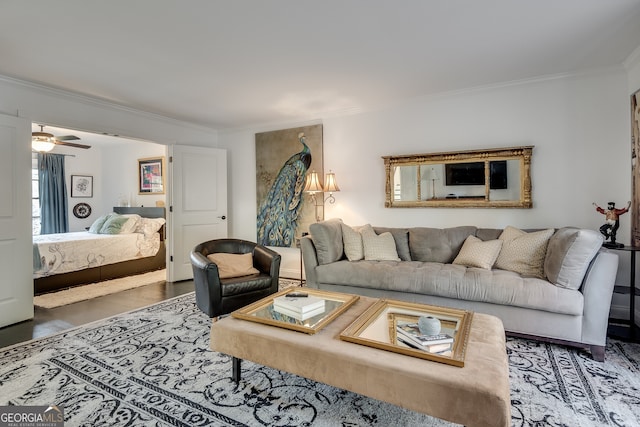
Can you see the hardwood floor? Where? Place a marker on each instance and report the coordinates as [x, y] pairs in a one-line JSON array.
[[53, 320]]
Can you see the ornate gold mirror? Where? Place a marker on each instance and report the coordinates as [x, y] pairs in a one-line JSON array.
[[491, 178]]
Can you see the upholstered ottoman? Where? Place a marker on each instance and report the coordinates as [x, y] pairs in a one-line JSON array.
[[475, 395]]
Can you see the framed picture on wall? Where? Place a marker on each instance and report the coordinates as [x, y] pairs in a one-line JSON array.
[[81, 186], [151, 175]]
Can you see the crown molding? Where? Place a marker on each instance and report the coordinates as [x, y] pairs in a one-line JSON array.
[[99, 102], [632, 59]]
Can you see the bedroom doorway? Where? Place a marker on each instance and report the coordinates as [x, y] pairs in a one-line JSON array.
[[110, 171]]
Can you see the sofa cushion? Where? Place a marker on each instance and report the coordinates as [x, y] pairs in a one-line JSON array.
[[327, 238], [378, 247], [523, 252], [454, 281], [437, 244], [568, 256], [352, 241], [476, 253], [401, 236]]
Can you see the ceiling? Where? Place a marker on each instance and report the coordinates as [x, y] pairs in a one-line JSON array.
[[229, 64]]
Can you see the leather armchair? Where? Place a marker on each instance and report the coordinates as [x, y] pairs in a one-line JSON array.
[[216, 296]]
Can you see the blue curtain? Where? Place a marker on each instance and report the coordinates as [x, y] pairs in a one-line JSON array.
[[53, 194]]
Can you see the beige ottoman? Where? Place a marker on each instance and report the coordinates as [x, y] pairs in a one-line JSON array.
[[475, 395]]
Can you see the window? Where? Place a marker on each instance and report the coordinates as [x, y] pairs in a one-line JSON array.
[[35, 197]]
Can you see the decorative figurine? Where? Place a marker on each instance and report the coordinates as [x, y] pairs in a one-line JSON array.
[[610, 227]]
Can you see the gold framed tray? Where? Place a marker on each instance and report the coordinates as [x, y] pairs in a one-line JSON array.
[[393, 326], [269, 312]]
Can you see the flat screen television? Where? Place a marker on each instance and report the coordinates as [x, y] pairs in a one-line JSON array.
[[473, 174]]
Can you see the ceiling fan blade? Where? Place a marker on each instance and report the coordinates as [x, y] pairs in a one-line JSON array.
[[71, 144], [67, 138]]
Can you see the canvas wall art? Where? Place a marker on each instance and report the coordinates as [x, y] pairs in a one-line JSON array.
[[283, 159], [635, 168]]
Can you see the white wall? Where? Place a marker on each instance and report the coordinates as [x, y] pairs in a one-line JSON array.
[[120, 166], [579, 126]]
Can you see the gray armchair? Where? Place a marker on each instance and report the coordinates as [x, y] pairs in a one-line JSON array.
[[216, 296]]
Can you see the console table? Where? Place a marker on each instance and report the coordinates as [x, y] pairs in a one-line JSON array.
[[632, 291]]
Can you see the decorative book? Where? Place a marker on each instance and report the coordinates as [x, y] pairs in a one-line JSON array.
[[411, 332], [298, 305], [296, 315]]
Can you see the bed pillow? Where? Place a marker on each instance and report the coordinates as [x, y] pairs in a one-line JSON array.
[[148, 226], [233, 265], [98, 223], [476, 253], [113, 224], [523, 252], [130, 226]]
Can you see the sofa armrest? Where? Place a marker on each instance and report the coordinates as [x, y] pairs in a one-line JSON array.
[[597, 289], [310, 260]]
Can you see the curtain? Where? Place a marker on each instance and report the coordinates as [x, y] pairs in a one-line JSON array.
[[53, 194]]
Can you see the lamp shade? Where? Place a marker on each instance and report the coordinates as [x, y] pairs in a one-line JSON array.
[[313, 183], [330, 184]]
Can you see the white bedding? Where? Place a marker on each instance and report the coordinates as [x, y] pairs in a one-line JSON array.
[[65, 252]]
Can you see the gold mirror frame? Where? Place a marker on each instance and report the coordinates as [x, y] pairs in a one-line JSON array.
[[376, 327], [521, 155]]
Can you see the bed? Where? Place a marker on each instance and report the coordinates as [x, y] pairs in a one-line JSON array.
[[69, 259]]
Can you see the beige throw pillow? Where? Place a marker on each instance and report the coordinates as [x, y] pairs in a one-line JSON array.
[[378, 247], [352, 241], [523, 252], [233, 265], [476, 253]]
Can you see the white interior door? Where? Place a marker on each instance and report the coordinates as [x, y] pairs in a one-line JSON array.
[[16, 254], [197, 204]]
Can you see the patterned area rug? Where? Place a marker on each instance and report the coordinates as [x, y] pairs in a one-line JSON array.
[[153, 367]]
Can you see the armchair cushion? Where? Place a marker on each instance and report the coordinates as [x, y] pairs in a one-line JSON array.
[[233, 265]]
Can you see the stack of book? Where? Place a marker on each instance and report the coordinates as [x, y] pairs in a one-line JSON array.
[[409, 334], [300, 308]]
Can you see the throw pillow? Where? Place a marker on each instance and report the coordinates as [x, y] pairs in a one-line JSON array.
[[523, 252], [476, 253], [569, 254], [98, 223], [378, 247], [113, 225], [352, 240], [327, 238], [233, 265]]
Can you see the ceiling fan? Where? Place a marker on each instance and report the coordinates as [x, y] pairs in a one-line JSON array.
[[43, 141]]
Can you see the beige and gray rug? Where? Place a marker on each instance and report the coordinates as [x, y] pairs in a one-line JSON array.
[[94, 290]]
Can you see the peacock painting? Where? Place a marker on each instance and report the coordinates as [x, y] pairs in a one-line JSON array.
[[280, 209]]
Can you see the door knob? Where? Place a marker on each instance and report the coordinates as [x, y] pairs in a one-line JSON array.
[[223, 217]]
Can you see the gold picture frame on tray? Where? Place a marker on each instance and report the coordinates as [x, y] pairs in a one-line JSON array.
[[264, 311], [377, 327]]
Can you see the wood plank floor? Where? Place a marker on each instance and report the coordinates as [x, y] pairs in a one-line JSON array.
[[53, 320]]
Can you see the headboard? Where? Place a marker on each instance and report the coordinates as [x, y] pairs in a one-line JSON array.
[[150, 212]]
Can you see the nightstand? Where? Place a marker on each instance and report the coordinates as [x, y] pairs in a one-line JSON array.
[[626, 328]]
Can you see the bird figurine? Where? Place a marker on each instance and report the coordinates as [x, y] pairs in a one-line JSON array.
[[278, 213]]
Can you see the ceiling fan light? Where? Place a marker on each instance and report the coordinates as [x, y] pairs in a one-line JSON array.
[[42, 144]]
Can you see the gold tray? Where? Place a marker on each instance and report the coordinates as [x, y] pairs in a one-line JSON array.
[[262, 311], [376, 327]]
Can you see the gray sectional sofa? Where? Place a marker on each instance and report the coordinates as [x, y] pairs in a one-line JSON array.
[[567, 301]]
